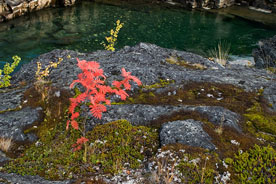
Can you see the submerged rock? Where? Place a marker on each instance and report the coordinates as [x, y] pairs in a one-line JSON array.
[[188, 132]]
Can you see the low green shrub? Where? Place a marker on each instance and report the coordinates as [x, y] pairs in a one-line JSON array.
[[7, 70], [257, 165]]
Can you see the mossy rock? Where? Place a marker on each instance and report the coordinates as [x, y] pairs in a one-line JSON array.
[[118, 144], [111, 146], [51, 157]]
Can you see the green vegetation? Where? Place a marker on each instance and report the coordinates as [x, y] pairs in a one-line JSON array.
[[7, 70], [260, 123], [257, 165], [197, 169], [111, 40], [117, 143], [110, 145]]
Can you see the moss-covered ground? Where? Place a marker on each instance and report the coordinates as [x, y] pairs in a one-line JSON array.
[[118, 145]]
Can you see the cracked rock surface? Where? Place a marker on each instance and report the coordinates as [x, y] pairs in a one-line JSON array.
[[188, 132]]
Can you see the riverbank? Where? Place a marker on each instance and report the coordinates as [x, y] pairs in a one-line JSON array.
[[10, 9]]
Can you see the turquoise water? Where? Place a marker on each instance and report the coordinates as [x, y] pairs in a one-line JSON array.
[[84, 26]]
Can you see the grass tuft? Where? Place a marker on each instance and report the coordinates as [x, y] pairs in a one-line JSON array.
[[5, 144]]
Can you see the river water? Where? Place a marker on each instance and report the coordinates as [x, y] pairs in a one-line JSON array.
[[84, 27]]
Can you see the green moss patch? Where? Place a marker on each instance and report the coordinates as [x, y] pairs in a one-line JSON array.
[[118, 144], [260, 123], [111, 146], [257, 165]]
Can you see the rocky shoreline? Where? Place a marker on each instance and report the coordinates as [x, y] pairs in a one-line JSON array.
[[10, 9], [185, 102]]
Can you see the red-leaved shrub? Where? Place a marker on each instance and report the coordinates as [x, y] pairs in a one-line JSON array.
[[92, 79]]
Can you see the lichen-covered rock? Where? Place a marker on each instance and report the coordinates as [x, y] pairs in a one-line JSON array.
[[265, 55], [11, 99], [12, 124], [188, 132], [144, 114]]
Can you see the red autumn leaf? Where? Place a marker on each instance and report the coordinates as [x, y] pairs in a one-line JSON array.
[[67, 124], [75, 115], [75, 124], [82, 140]]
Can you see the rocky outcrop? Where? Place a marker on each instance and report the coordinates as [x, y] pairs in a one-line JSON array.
[[265, 5], [187, 108], [265, 54], [13, 123], [10, 9], [209, 4]]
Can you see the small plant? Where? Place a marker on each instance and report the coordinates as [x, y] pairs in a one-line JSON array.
[[7, 70], [41, 76], [258, 165], [221, 53], [94, 96], [111, 40], [5, 144], [164, 173], [219, 129], [197, 170]]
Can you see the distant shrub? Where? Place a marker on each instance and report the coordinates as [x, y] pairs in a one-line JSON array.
[[7, 70], [111, 40]]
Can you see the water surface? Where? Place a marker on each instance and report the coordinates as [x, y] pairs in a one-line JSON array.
[[83, 27]]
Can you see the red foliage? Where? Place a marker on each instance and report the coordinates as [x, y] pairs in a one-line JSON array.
[[79, 143], [93, 80]]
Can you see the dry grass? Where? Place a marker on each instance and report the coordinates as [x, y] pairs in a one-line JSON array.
[[220, 54], [164, 173], [5, 144]]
